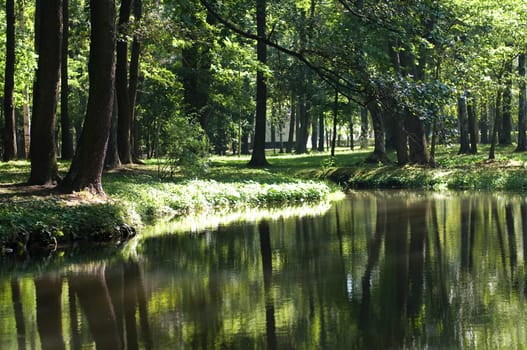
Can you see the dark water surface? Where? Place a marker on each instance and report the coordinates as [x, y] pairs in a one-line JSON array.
[[379, 270]]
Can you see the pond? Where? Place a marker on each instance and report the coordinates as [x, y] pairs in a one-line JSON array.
[[378, 270]]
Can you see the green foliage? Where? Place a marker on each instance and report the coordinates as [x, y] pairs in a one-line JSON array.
[[167, 200], [52, 221], [186, 150]]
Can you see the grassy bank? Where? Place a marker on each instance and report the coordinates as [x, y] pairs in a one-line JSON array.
[[137, 196], [36, 216], [508, 172]]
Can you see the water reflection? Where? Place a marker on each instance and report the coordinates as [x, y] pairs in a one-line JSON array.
[[379, 270]]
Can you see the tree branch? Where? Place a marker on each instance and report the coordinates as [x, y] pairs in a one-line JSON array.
[[332, 78]]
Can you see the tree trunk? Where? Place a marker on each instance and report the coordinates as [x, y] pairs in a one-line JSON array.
[[292, 123], [352, 143], [321, 132], [302, 122], [464, 147], [401, 140], [484, 124], [522, 139], [121, 85], [132, 84], [506, 121], [258, 156], [379, 150], [87, 166], [314, 133], [67, 137], [495, 125], [43, 148], [416, 140], [112, 160], [10, 150], [363, 128], [24, 152], [335, 118], [472, 127]]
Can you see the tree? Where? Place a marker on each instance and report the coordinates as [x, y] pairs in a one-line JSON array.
[[133, 79], [87, 165], [121, 85], [258, 156], [9, 138], [65, 121], [43, 159], [522, 97], [464, 147]]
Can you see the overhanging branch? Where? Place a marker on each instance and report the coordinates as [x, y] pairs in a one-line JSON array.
[[332, 78]]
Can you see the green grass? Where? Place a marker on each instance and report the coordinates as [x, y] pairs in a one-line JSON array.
[[137, 196], [508, 172]]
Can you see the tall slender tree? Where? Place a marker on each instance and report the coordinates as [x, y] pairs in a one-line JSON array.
[[132, 84], [121, 85], [87, 165], [9, 138], [258, 158], [464, 146], [65, 121], [43, 159], [522, 109]]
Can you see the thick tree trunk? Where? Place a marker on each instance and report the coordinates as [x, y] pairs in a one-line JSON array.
[[87, 166], [379, 150], [522, 110], [464, 147], [132, 84], [416, 140], [401, 140], [10, 149], [65, 122], [303, 125], [43, 148], [121, 86], [258, 156]]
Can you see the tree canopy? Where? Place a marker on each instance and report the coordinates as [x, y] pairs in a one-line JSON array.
[[428, 72]]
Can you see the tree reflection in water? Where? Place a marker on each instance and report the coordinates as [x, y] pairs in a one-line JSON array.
[[380, 270]]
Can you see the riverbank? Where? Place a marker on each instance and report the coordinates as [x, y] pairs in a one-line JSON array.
[[139, 196], [508, 172], [39, 217]]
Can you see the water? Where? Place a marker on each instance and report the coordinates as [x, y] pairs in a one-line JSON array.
[[379, 270]]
